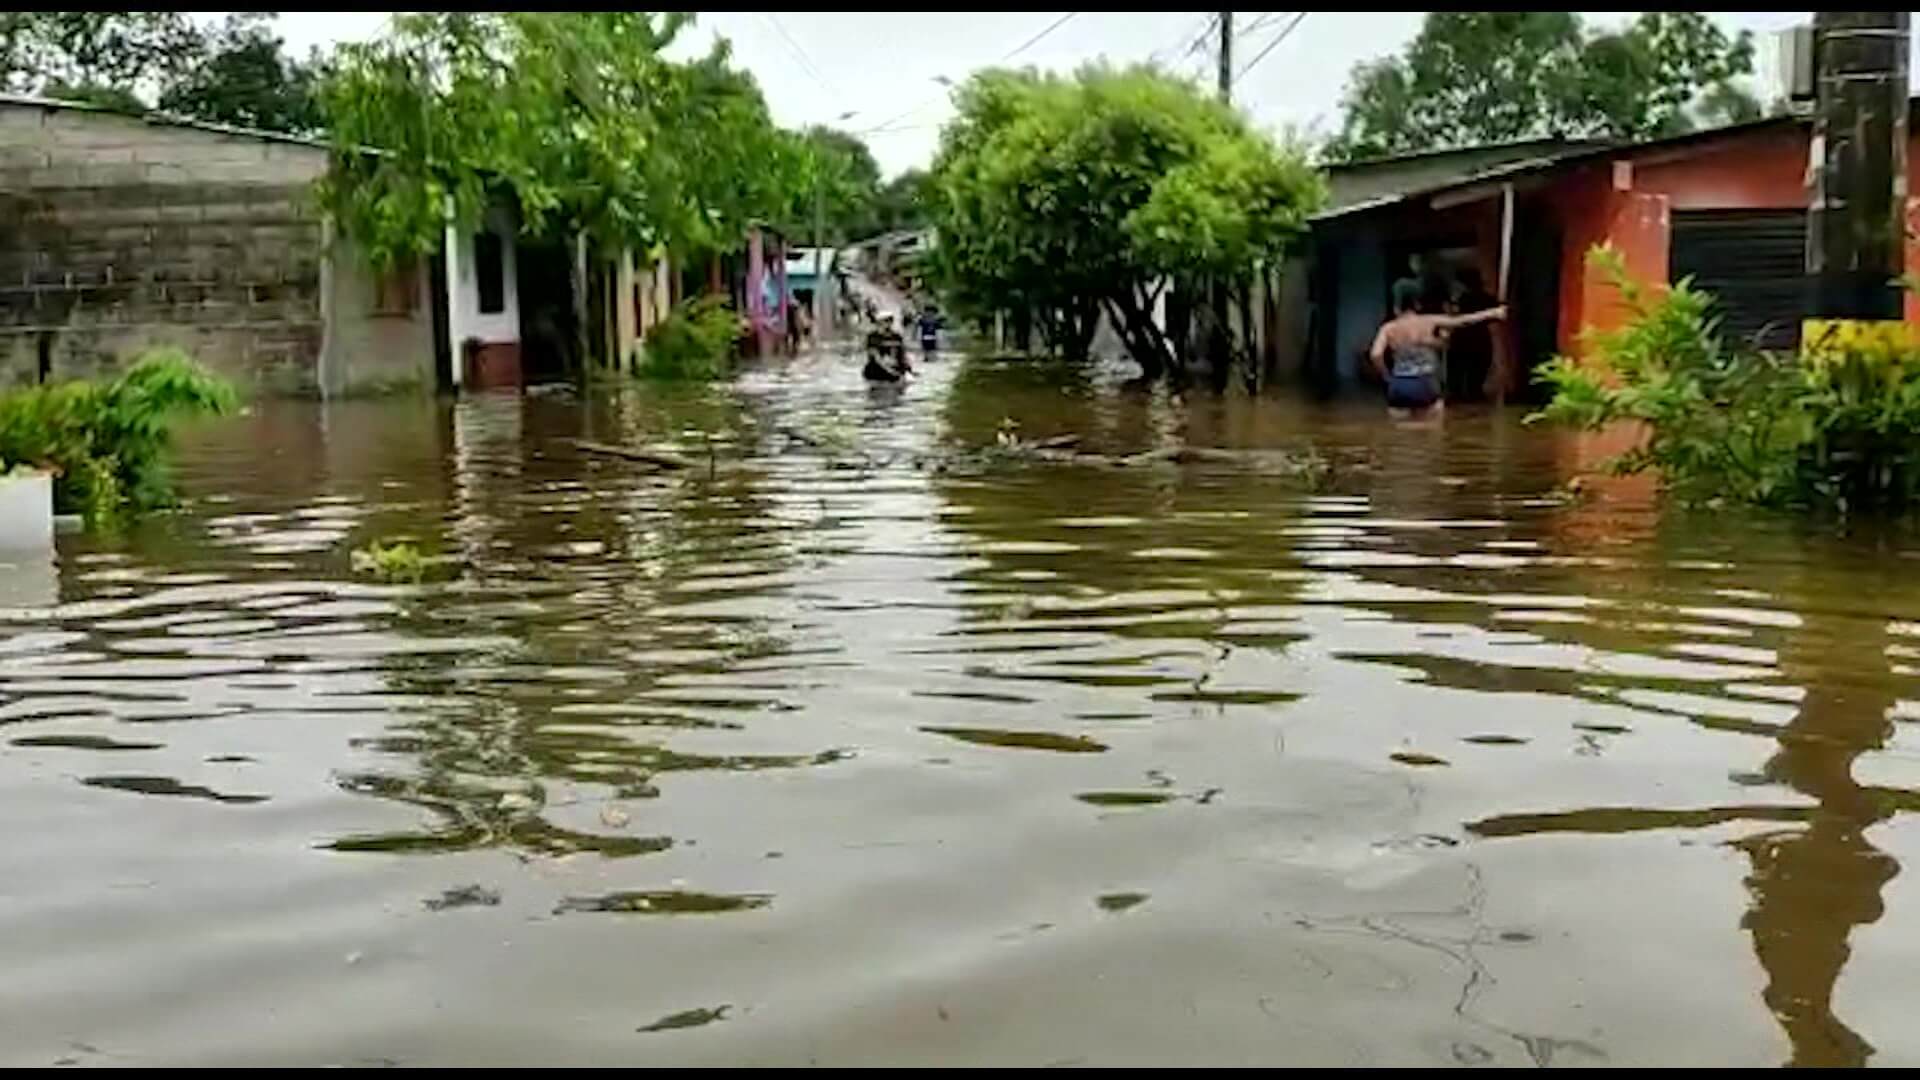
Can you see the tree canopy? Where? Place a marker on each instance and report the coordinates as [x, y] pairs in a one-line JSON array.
[[903, 202], [1059, 197], [850, 184], [244, 77], [234, 73], [94, 51], [578, 117], [1475, 77]]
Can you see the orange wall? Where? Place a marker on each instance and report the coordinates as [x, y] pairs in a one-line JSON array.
[[1630, 205], [1762, 171]]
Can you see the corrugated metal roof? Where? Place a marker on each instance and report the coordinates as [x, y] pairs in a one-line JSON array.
[[1352, 184], [1575, 153]]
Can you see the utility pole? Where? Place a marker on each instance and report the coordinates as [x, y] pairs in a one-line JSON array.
[[1219, 341], [1226, 56], [1856, 227], [820, 308]]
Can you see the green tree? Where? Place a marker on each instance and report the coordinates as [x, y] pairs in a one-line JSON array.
[[903, 201], [1059, 199], [114, 98], [245, 78], [575, 116], [849, 182], [1474, 77], [105, 57]]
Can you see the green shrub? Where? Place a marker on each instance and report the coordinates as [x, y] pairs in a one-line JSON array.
[[106, 442], [694, 342], [1835, 426]]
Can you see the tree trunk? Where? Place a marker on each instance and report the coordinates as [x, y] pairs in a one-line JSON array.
[[1249, 342], [1219, 337], [1082, 321], [1180, 320], [1145, 342], [1050, 330]]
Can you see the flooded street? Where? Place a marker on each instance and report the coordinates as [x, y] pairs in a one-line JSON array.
[[842, 748]]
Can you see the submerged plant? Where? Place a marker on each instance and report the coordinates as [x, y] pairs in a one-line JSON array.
[[1836, 425], [106, 442], [694, 342], [396, 562]]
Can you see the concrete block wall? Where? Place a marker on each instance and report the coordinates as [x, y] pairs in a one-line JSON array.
[[119, 233]]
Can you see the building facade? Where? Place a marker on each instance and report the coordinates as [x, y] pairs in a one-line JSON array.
[[119, 233], [1726, 208]]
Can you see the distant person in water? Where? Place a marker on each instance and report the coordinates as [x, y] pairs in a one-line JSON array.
[[886, 354], [929, 323], [1406, 352]]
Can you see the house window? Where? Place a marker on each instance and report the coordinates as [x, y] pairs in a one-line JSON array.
[[490, 272], [393, 289]]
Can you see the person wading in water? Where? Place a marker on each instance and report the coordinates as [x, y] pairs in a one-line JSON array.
[[886, 354], [1406, 352]]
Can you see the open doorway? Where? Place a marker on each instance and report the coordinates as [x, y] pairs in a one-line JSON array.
[[1533, 294], [549, 326], [442, 337]]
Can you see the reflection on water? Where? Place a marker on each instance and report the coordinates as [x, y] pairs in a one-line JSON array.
[[1814, 874], [842, 747]]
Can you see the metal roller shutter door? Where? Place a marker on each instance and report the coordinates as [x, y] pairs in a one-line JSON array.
[[1754, 262]]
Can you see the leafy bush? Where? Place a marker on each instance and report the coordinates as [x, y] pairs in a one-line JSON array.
[[694, 342], [106, 442], [1836, 426]]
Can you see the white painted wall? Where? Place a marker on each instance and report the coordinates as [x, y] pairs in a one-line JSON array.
[[464, 293]]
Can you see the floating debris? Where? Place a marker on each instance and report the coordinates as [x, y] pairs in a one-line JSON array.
[[83, 742], [691, 1018], [166, 785], [463, 896], [1021, 740], [1124, 798], [398, 561], [664, 902]]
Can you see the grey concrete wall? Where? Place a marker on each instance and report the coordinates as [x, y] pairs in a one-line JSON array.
[[118, 233], [369, 349]]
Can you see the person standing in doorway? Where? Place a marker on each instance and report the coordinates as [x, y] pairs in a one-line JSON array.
[[1470, 349]]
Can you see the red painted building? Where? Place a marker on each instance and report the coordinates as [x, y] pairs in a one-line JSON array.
[[1726, 207]]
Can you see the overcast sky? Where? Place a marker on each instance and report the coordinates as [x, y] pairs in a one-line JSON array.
[[883, 67]]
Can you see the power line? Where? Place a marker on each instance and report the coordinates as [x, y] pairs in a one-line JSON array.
[[1041, 36], [1262, 21], [800, 54], [1271, 45], [1183, 44], [1201, 36], [883, 126]]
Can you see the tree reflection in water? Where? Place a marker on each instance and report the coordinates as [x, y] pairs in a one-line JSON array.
[[1817, 876]]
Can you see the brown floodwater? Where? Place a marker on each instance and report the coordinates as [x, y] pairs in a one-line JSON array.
[[850, 747]]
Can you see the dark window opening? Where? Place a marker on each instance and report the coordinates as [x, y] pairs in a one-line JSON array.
[[490, 271]]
